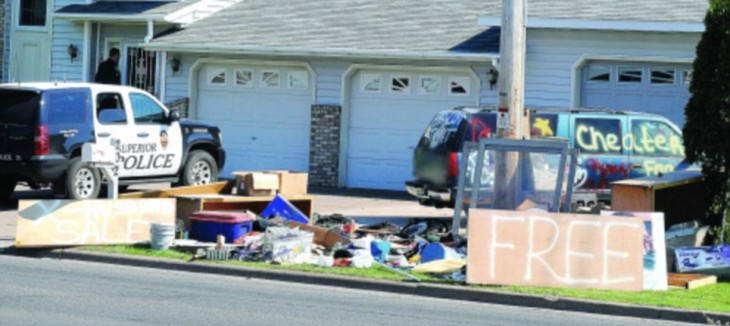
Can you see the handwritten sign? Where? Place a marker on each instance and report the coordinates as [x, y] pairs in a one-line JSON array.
[[47, 223], [557, 250]]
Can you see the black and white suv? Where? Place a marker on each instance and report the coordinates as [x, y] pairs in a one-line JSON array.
[[44, 125]]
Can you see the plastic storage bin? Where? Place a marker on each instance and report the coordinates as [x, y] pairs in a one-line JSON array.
[[207, 225]]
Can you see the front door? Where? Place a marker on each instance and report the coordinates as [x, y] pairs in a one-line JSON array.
[[30, 55], [113, 125]]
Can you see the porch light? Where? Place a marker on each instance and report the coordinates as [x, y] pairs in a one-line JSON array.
[[492, 76], [73, 51], [175, 64]]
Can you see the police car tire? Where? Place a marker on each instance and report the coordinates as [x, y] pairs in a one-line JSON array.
[[7, 187], [82, 176], [195, 161]]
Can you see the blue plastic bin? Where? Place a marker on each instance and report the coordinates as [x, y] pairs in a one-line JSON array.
[[207, 225], [282, 207]]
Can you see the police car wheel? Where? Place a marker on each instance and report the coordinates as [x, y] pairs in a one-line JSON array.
[[200, 168], [7, 186], [82, 181]]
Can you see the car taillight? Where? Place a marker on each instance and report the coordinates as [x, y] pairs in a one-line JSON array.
[[453, 165], [42, 141]]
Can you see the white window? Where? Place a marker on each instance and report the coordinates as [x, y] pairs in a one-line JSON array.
[[400, 84], [244, 77], [429, 85], [662, 76], [687, 76], [217, 76], [371, 83], [298, 79], [598, 73], [630, 75], [270, 78], [459, 85]]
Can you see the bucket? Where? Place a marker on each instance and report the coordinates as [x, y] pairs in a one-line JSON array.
[[161, 235]]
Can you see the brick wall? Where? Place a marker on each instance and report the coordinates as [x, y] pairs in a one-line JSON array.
[[324, 145]]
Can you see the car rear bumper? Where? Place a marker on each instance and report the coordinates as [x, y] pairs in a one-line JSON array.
[[428, 193], [44, 168]]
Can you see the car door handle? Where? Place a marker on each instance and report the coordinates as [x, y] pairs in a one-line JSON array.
[[636, 166], [143, 135], [103, 134]]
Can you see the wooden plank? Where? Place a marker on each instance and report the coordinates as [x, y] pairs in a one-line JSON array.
[[223, 187], [691, 281], [53, 223], [556, 250], [632, 198]]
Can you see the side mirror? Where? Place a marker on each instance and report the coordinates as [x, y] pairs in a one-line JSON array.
[[173, 116]]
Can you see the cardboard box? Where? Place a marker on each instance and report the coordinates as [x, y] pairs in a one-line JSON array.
[[256, 183], [292, 182]]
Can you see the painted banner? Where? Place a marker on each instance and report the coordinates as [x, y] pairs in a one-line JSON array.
[[556, 250], [50, 223], [655, 248]]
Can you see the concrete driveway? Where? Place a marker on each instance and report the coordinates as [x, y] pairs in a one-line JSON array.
[[366, 206]]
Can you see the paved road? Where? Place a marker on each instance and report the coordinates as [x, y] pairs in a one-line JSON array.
[[53, 292]]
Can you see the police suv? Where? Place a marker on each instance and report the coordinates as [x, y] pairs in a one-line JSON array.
[[43, 127]]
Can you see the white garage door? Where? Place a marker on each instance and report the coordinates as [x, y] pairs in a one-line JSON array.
[[263, 112], [655, 88], [388, 112]]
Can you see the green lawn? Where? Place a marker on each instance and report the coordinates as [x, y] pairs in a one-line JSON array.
[[709, 298]]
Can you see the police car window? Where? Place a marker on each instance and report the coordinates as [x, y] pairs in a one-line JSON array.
[[598, 135], [67, 107], [655, 138], [110, 109], [145, 109]]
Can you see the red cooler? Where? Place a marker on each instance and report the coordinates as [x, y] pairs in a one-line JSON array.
[[207, 225]]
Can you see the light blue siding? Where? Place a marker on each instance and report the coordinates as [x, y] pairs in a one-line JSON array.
[[64, 34], [6, 42]]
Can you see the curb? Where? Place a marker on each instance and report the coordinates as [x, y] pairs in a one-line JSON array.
[[463, 293]]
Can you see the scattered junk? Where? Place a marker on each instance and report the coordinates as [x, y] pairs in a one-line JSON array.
[[267, 216]]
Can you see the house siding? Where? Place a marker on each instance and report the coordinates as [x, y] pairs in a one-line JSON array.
[[65, 33], [5, 35], [552, 54]]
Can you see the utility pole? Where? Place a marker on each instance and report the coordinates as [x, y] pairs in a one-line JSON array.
[[511, 88]]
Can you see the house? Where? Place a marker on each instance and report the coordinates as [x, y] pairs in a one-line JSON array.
[[612, 54], [344, 88]]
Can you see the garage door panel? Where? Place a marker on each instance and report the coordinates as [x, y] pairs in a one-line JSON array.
[[385, 127], [263, 128]]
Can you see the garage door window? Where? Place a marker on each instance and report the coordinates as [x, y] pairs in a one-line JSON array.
[[630, 75], [598, 73], [400, 84], [244, 78], [459, 86], [429, 85], [662, 76], [270, 79], [687, 77], [217, 76], [298, 80], [370, 83]]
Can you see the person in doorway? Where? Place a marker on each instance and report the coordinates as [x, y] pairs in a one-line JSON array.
[[108, 71]]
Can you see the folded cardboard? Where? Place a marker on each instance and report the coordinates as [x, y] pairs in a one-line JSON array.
[[291, 182], [256, 183]]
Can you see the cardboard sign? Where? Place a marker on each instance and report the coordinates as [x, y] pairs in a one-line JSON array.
[[557, 250], [654, 246], [50, 223]]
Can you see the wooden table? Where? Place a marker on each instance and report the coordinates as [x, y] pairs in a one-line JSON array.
[[680, 195]]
